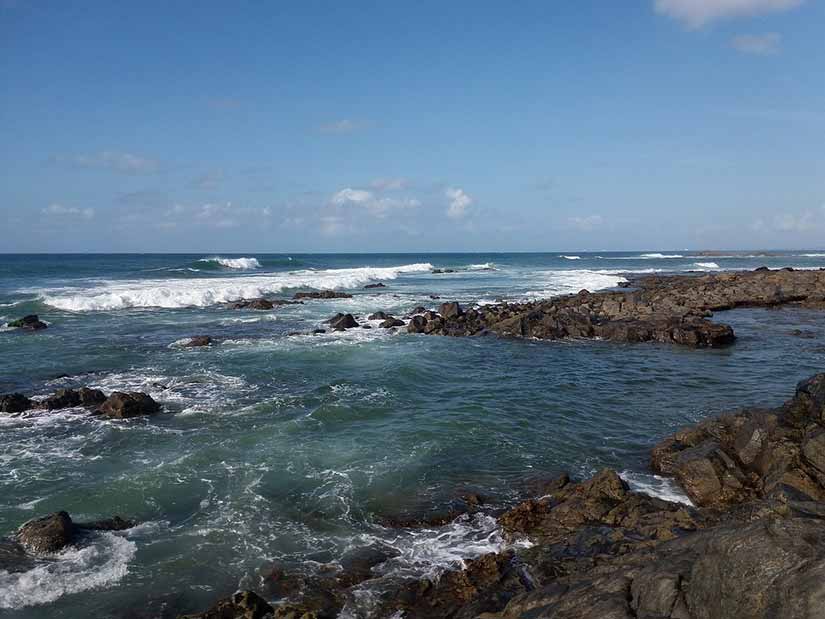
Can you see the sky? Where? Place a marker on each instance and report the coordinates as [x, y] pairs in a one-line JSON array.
[[404, 127]]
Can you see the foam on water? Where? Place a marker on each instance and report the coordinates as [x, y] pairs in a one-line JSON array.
[[202, 292], [656, 486], [100, 564], [571, 281], [706, 265], [572, 257], [234, 263]]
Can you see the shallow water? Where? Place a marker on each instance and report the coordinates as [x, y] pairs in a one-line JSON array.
[[291, 449]]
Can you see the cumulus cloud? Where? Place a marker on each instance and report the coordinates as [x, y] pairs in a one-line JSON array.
[[698, 13], [124, 163], [459, 202], [585, 224], [758, 44], [373, 203], [58, 210]]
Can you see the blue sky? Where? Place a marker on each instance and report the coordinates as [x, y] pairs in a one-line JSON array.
[[428, 126]]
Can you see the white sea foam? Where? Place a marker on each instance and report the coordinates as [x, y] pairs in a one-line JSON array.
[[100, 564], [486, 266], [572, 257], [812, 255], [234, 263], [658, 256], [653, 485], [570, 281], [706, 265], [123, 294]]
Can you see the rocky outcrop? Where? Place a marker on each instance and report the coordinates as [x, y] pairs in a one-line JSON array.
[[261, 304], [240, 605], [752, 454], [324, 294], [14, 403], [671, 309], [28, 323], [371, 286], [126, 405], [52, 533]]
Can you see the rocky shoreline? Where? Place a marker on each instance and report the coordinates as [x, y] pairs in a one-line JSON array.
[[752, 546], [656, 308]]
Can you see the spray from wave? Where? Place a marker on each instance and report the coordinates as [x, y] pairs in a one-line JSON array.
[[234, 263]]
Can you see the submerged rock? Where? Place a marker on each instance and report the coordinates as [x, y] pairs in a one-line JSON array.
[[324, 294], [125, 405], [391, 322], [261, 304], [28, 323], [378, 285], [196, 341]]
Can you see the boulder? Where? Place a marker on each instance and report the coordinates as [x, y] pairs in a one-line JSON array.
[[391, 322], [28, 323], [378, 316], [14, 403], [46, 534], [342, 322], [125, 405], [378, 285], [417, 324], [450, 310], [62, 398]]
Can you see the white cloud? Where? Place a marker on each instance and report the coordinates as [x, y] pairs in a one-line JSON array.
[[459, 202], [377, 205], [586, 224], [758, 44], [125, 163], [698, 13], [58, 210]]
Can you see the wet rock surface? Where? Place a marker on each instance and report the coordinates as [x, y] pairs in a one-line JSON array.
[[28, 323], [262, 304], [672, 309], [125, 405], [324, 294], [116, 405]]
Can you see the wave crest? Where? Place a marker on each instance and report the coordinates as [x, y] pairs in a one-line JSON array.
[[234, 263]]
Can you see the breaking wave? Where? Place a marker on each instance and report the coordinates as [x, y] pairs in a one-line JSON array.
[[100, 564], [706, 265], [124, 294], [234, 263], [572, 257]]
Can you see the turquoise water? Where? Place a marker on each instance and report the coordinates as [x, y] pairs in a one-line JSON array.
[[277, 448]]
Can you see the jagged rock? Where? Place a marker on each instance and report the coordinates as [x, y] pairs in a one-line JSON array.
[[378, 316], [450, 310], [324, 294], [240, 605], [62, 398], [261, 304], [126, 405], [378, 285], [46, 534], [14, 403], [28, 323]]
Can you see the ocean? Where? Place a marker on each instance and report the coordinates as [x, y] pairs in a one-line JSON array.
[[277, 447]]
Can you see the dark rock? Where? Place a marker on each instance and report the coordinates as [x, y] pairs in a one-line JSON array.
[[124, 405], [419, 310], [318, 331], [391, 322], [14, 403], [261, 304], [324, 294], [197, 341], [450, 310], [378, 285], [28, 323], [342, 322], [115, 523], [62, 398], [378, 316], [240, 605], [47, 534], [90, 397], [417, 324]]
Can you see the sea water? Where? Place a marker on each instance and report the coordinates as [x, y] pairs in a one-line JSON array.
[[295, 449]]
